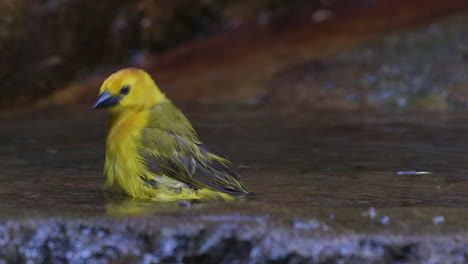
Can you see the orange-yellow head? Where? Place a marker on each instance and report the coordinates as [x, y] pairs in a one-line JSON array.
[[129, 89]]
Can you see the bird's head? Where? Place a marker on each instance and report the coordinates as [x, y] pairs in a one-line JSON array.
[[128, 89]]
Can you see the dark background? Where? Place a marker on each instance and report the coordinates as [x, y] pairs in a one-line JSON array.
[[242, 53]]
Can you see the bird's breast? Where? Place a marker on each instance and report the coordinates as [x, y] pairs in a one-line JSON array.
[[123, 165], [127, 128]]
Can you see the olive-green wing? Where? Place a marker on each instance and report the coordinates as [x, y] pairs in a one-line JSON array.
[[171, 147]]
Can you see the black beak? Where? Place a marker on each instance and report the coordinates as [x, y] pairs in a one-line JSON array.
[[105, 100]]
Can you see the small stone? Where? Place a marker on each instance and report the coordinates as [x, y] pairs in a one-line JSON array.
[[185, 203], [311, 224], [321, 15], [371, 213], [385, 220], [438, 220], [52, 151]]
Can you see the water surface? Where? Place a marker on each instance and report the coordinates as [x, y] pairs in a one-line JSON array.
[[293, 163]]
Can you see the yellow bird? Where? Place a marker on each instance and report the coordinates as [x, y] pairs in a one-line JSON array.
[[152, 150]]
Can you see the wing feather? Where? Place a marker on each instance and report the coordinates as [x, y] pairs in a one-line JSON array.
[[171, 147]]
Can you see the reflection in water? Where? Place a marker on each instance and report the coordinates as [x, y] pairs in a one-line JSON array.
[[347, 159], [122, 205]]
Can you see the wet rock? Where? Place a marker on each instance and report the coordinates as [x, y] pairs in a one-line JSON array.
[[144, 240], [417, 69]]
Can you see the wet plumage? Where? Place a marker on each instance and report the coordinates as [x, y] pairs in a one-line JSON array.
[[152, 149]]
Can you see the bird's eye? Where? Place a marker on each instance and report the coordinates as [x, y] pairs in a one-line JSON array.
[[125, 89]]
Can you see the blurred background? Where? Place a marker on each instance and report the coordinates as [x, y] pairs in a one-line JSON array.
[[316, 53]]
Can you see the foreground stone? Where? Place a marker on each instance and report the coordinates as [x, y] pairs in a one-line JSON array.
[[214, 239]]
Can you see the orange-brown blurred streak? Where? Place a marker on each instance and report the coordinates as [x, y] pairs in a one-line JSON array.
[[238, 64], [241, 57]]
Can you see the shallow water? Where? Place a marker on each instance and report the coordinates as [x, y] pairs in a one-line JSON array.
[[292, 163]]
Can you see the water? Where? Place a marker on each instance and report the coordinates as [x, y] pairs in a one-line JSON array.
[[51, 160]]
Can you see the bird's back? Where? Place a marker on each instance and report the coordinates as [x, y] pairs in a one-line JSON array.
[[171, 147]]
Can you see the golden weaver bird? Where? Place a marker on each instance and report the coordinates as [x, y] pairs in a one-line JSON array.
[[152, 150]]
